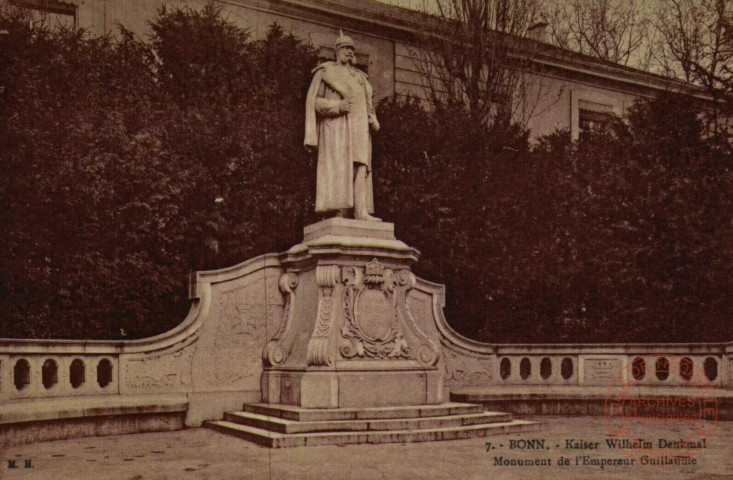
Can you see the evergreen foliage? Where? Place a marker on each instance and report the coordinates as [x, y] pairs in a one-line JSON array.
[[128, 164], [622, 236]]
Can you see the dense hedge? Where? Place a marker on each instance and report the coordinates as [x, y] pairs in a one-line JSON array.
[[624, 235], [128, 164]]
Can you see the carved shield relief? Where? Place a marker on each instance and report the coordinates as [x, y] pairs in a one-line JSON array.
[[374, 315], [371, 324]]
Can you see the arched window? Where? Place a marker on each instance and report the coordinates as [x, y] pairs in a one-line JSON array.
[[77, 374], [22, 374], [104, 373], [525, 368], [545, 368], [505, 368], [50, 373]]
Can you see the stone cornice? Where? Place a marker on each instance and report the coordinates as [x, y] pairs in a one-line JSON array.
[[400, 24]]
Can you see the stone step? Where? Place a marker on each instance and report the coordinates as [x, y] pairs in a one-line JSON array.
[[284, 440], [283, 425], [290, 412]]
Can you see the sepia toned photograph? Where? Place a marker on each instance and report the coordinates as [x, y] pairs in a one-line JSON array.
[[366, 239]]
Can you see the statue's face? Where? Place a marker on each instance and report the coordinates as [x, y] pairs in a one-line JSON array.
[[346, 55]]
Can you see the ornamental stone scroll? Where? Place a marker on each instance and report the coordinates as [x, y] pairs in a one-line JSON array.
[[319, 351], [276, 351]]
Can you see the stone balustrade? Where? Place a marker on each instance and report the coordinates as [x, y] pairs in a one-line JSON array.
[[32, 375], [46, 369], [469, 363], [165, 364], [605, 364], [213, 361]]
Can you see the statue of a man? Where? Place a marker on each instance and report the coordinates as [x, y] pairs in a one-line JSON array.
[[339, 118]]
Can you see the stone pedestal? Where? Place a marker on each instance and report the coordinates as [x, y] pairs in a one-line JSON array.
[[347, 338]]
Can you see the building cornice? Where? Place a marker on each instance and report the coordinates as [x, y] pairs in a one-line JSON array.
[[400, 24]]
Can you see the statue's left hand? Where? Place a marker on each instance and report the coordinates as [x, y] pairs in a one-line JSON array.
[[374, 123]]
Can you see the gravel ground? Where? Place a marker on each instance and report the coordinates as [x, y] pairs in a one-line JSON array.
[[204, 454]]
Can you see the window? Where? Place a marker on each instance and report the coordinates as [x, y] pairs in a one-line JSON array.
[[590, 121], [592, 111], [54, 13]]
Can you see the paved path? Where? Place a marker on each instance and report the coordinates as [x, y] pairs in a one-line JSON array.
[[205, 454]]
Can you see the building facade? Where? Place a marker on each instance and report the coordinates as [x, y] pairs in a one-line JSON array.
[[577, 91]]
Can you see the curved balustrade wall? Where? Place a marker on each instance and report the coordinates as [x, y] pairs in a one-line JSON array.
[[468, 363], [212, 362], [55, 374]]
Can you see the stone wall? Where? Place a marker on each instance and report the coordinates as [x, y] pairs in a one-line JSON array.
[[213, 362], [214, 356], [467, 363]]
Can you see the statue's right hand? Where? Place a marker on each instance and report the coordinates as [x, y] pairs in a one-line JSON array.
[[345, 106]]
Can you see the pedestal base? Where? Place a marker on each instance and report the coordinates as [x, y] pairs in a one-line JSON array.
[[348, 338], [281, 426], [349, 364], [353, 389]]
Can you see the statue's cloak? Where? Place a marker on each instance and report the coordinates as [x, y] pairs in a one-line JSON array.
[[341, 140]]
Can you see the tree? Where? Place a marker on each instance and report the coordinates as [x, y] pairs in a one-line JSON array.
[[620, 236], [113, 192], [696, 44], [690, 40], [127, 165], [645, 212], [471, 59], [202, 55], [463, 191], [614, 30]]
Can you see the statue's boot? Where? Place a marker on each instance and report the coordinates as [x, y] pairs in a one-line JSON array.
[[360, 193], [366, 217]]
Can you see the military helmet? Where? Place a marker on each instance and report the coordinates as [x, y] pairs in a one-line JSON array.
[[343, 41]]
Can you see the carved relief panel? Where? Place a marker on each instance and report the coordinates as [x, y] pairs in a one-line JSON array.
[[377, 322], [244, 316], [320, 346], [600, 370], [166, 371], [371, 326], [463, 369]]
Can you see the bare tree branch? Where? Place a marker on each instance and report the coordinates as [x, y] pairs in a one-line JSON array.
[[696, 43], [470, 57], [614, 30]]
